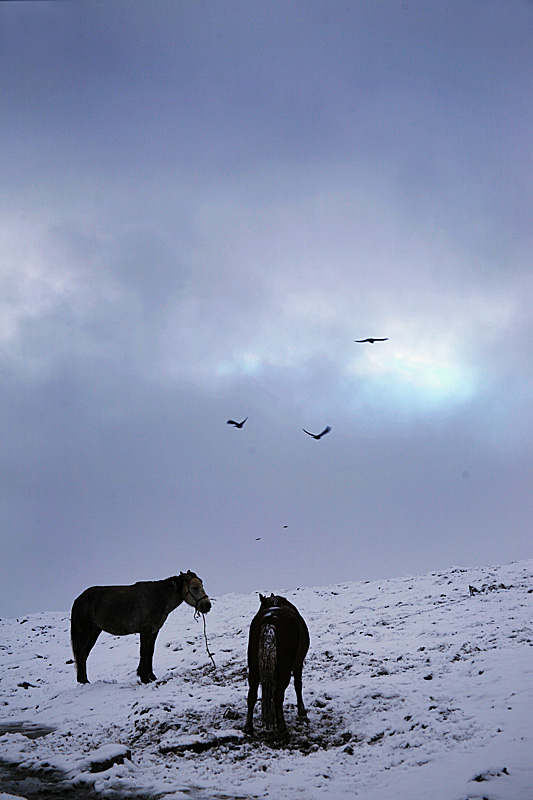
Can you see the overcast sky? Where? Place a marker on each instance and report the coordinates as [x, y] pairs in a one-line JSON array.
[[203, 206]]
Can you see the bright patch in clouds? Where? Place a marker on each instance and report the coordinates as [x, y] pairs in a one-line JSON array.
[[245, 363], [415, 377], [432, 360], [428, 361]]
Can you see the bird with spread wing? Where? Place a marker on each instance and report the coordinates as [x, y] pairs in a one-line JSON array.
[[318, 435], [237, 424]]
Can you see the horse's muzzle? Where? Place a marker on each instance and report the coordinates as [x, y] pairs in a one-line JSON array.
[[204, 605]]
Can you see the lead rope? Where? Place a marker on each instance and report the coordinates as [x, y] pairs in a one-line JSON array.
[[207, 650]]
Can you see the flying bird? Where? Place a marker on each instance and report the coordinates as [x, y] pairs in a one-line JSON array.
[[371, 340], [237, 424], [318, 435]]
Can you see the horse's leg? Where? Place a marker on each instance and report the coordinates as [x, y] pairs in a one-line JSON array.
[[253, 681], [297, 672], [82, 643], [279, 696], [145, 670]]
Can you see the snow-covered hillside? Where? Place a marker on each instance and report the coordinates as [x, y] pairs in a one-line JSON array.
[[415, 689]]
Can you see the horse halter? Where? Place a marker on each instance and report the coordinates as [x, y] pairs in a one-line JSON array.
[[196, 601]]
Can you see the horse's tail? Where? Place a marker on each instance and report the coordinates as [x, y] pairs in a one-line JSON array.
[[267, 672]]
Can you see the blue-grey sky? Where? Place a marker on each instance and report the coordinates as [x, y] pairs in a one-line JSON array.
[[203, 205]]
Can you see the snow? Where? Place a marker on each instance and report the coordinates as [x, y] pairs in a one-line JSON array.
[[414, 688]]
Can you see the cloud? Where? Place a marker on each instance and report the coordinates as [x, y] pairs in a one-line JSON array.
[[203, 210]]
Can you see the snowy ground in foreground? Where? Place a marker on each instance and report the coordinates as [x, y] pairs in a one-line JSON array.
[[414, 689]]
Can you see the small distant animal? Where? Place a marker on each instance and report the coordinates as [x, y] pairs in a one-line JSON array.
[[371, 340], [277, 646], [318, 435], [237, 424], [140, 608]]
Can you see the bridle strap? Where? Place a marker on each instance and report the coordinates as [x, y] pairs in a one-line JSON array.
[[196, 601]]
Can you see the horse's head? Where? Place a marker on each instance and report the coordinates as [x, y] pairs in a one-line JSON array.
[[192, 591], [268, 602], [274, 601]]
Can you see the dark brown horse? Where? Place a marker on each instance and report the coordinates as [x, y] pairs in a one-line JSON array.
[[140, 608], [277, 646]]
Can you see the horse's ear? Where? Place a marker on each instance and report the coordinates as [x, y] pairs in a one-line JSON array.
[[262, 598]]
